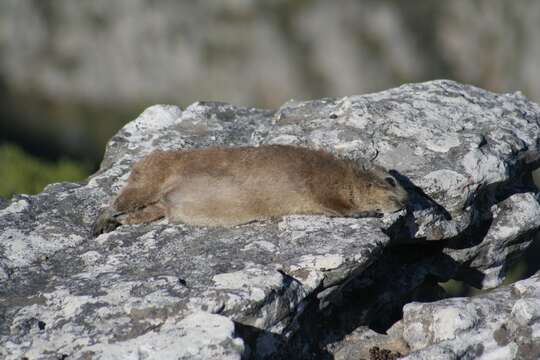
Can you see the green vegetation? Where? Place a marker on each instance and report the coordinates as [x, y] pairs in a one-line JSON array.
[[23, 173]]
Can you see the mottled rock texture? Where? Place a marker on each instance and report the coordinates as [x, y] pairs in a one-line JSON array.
[[501, 324], [283, 287]]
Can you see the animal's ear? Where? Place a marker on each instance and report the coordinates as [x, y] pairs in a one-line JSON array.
[[390, 181]]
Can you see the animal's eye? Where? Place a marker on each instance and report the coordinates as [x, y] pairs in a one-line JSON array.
[[390, 181]]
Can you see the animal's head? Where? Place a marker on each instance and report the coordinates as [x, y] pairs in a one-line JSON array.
[[377, 191]]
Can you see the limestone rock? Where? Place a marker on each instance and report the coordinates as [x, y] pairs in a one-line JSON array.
[[143, 282], [464, 155], [514, 223], [500, 324]]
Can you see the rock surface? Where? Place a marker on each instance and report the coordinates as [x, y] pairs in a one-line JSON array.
[[501, 324], [265, 289]]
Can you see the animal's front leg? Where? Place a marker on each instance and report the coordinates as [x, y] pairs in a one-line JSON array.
[[132, 198], [147, 214]]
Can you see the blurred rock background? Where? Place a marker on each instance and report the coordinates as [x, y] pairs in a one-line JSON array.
[[73, 72]]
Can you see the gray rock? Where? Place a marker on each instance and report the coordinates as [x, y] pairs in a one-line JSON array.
[[463, 153], [500, 324], [413, 127], [514, 223], [141, 282]]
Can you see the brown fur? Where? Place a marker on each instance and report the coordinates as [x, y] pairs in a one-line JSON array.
[[231, 186]]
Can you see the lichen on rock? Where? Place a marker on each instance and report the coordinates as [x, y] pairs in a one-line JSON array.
[[160, 289]]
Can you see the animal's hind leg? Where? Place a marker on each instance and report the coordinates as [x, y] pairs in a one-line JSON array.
[[110, 219], [132, 198], [147, 214], [105, 222]]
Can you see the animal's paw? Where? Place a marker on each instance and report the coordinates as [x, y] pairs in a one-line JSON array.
[[105, 222]]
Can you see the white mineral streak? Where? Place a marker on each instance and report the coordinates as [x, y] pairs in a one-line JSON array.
[[198, 336], [16, 207], [255, 281]]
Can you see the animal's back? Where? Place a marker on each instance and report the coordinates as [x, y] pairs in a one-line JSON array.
[[238, 185], [230, 186]]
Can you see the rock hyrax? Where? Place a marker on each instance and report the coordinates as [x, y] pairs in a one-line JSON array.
[[231, 186]]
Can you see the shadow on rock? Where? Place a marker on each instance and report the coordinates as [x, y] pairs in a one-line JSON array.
[[261, 344]]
